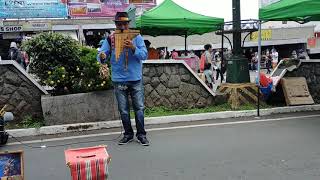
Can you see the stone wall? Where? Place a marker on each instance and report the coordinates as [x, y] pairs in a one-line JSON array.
[[80, 108], [167, 83], [171, 83], [310, 69], [19, 91]]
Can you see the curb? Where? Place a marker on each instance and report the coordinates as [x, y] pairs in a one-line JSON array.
[[57, 129]]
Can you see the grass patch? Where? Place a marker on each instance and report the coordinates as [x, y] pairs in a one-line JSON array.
[[30, 122], [27, 122], [164, 111]]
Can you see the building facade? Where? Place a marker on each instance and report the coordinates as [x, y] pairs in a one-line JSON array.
[[86, 21]]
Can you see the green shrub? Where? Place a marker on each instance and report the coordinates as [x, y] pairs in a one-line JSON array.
[[30, 122], [89, 79], [62, 63]]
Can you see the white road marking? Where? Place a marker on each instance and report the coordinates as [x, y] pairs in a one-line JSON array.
[[165, 128]]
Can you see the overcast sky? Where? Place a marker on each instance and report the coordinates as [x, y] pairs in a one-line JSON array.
[[219, 8]]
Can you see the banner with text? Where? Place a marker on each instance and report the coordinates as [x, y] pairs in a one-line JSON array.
[[265, 35], [21, 9], [104, 8]]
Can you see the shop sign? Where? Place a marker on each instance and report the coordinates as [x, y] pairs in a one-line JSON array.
[[11, 28], [37, 26], [265, 35]]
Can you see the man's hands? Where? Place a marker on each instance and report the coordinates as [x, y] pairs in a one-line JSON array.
[[103, 56], [129, 44]]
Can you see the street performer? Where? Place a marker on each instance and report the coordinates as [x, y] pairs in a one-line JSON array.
[[126, 70]]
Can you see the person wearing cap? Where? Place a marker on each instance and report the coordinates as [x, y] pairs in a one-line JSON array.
[[15, 54], [127, 81]]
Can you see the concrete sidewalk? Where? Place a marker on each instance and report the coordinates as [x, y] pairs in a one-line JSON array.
[[58, 129]]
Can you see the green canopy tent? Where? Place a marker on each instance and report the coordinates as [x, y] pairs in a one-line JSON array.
[[171, 19], [291, 10], [301, 11]]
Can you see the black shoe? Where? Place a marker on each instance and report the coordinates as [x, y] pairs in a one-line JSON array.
[[143, 141], [125, 140]]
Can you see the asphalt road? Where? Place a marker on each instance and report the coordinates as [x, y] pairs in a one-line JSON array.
[[282, 147]]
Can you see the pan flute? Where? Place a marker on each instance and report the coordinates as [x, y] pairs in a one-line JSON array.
[[120, 37]]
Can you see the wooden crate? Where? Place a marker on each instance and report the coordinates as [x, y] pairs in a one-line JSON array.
[[296, 91]]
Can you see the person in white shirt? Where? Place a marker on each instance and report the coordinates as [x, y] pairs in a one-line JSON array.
[[275, 58]]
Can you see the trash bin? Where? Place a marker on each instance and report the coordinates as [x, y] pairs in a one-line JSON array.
[[238, 70]]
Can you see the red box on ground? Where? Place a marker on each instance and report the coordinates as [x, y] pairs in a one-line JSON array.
[[88, 163]]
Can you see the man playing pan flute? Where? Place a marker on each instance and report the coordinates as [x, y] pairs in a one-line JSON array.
[[126, 68]]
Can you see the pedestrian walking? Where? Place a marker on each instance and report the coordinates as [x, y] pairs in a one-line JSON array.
[[15, 54]]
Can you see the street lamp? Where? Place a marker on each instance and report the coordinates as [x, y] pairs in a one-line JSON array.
[[237, 67]]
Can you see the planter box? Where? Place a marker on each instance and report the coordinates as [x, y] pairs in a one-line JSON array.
[[80, 108]]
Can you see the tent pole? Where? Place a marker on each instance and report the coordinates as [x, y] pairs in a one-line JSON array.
[[222, 42], [259, 68], [222, 51], [185, 42]]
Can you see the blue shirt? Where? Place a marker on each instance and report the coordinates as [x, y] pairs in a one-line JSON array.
[[118, 68]]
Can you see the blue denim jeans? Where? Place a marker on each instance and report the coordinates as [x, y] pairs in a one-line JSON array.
[[135, 90]]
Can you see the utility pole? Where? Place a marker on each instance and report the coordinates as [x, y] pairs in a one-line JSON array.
[[237, 67]]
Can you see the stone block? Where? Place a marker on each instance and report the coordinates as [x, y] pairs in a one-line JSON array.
[[185, 78], [172, 99], [184, 89], [21, 105], [161, 89], [202, 102], [12, 78], [8, 89], [163, 78], [167, 70], [146, 80], [145, 70], [159, 70], [155, 82], [174, 70], [147, 90], [175, 91], [168, 93], [183, 71], [174, 81], [194, 95], [152, 72], [154, 96], [149, 102], [80, 108]]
